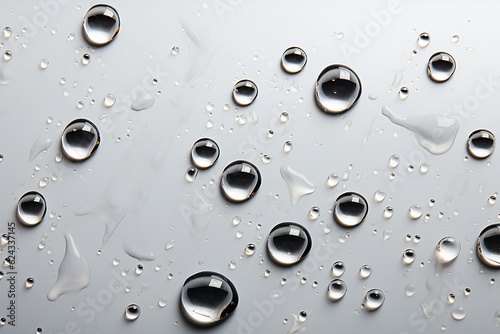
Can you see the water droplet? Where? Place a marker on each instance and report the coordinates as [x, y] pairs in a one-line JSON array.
[[7, 55], [162, 302], [74, 271], [191, 174], [451, 298], [338, 268], [488, 246], [458, 314], [379, 195], [425, 128], [267, 272], [332, 180], [467, 292], [287, 146], [240, 181], [109, 100], [481, 144], [85, 59], [350, 209], [139, 269], [423, 39], [208, 298], [415, 211], [455, 38], [7, 32], [337, 289], [388, 212], [41, 245], [132, 312], [232, 265], [409, 256], [284, 117], [31, 208], [403, 93], [387, 235], [298, 184], [101, 24], [236, 220], [424, 168], [116, 261], [39, 330], [80, 139], [365, 271], [492, 199], [293, 60], [175, 50], [394, 161], [374, 298], [250, 249], [44, 63], [288, 243], [337, 89], [143, 103], [30, 281], [244, 92], [441, 66], [447, 250], [266, 158], [409, 290], [314, 213], [204, 153]]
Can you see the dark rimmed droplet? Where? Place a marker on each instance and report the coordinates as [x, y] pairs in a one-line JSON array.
[[337, 89], [240, 181], [288, 243], [31, 208], [80, 139], [101, 24]]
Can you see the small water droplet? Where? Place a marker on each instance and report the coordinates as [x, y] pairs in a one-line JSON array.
[[244, 92], [409, 256], [288, 243], [266, 158], [30, 281], [7, 55], [162, 302], [387, 235], [287, 146], [284, 117], [455, 38], [374, 298], [365, 271], [80, 139], [116, 261], [240, 181], [139, 269], [409, 290], [236, 220], [336, 289], [467, 292], [293, 60], [424, 168], [101, 24], [403, 93], [204, 153], [232, 265], [39, 330], [350, 209], [415, 211], [41, 245], [208, 298], [250, 249], [458, 314], [481, 144], [7, 32], [394, 161], [31, 208], [451, 298], [44, 63], [447, 250], [85, 59], [337, 89], [338, 268], [441, 66], [379, 195], [488, 250], [109, 100], [302, 316], [332, 180], [132, 312], [175, 50], [314, 213], [423, 39]]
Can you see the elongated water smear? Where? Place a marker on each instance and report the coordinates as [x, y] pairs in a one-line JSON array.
[[298, 184], [74, 271], [435, 133]]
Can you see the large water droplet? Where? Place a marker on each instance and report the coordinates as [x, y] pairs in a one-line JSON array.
[[101, 24], [435, 133], [336, 289], [204, 153], [379, 195], [441, 66], [337, 89], [298, 184], [288, 243], [31, 208], [423, 39], [374, 298], [293, 60], [409, 256], [207, 298], [74, 271], [365, 271], [350, 209], [338, 269], [80, 139], [447, 250], [481, 144], [488, 246], [132, 312], [244, 92], [240, 181], [415, 211], [109, 100]]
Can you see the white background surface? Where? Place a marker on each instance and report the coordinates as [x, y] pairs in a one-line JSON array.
[[141, 178]]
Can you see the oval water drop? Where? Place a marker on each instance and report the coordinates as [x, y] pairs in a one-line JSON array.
[[403, 93], [288, 243], [191, 174], [332, 180], [109, 100], [31, 208], [204, 153], [365, 271], [488, 246], [314, 213], [336, 289], [350, 209], [394, 161], [208, 298], [441, 67], [423, 39], [293, 60], [287, 146], [132, 312], [240, 181], [80, 139], [374, 298], [30, 281], [101, 24], [415, 211], [481, 144], [458, 314], [409, 256], [379, 195], [250, 249], [337, 89], [447, 250], [338, 269], [244, 92]]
